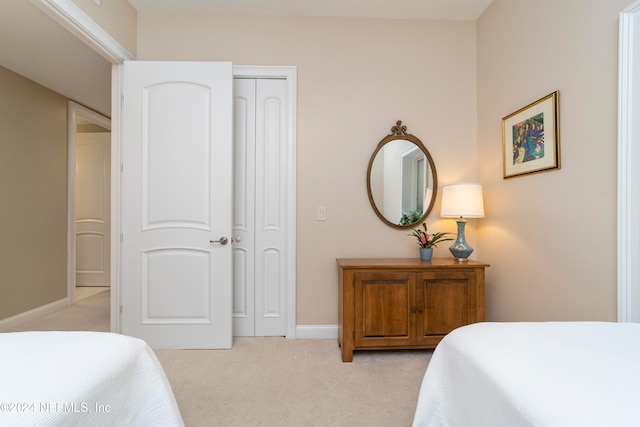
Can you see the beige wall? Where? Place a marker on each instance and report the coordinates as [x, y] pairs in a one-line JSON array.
[[117, 17], [551, 237], [33, 195], [356, 77]]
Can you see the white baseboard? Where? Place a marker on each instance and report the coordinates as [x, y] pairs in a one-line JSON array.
[[19, 319], [303, 332], [316, 332]]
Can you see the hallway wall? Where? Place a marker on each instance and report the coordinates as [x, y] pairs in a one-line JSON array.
[[33, 195]]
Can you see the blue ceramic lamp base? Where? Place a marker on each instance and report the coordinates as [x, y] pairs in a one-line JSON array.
[[460, 248]]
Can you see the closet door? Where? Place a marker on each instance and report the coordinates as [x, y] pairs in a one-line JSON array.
[[260, 207], [244, 110]]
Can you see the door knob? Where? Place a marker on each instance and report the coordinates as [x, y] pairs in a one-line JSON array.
[[223, 241]]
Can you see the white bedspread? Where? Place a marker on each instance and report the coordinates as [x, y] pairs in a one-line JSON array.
[[84, 379], [534, 374]]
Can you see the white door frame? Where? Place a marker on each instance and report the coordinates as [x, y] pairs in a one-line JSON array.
[[72, 18], [75, 111], [628, 173]]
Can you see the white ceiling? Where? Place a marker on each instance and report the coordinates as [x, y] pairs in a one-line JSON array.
[[35, 46], [395, 9]]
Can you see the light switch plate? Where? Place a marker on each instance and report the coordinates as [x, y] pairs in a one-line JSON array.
[[322, 213]]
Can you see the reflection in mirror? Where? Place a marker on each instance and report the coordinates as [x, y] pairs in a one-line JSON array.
[[401, 179]]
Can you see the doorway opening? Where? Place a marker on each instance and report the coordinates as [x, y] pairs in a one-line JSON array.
[[78, 23], [89, 195]]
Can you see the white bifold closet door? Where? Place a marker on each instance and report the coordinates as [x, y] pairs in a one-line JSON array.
[[259, 231]]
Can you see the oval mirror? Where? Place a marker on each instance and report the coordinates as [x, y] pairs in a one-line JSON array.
[[401, 179]]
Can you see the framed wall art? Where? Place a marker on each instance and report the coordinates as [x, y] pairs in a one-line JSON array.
[[531, 138]]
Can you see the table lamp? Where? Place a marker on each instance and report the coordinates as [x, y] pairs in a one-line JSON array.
[[462, 201]]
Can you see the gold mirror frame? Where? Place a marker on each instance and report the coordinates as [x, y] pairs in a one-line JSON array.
[[399, 132]]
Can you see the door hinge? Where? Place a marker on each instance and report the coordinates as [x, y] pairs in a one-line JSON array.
[[353, 334], [121, 237], [120, 308]]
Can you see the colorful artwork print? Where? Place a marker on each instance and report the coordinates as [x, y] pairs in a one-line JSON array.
[[528, 139], [531, 138]]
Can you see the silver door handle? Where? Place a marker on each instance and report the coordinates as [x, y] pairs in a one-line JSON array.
[[223, 241]]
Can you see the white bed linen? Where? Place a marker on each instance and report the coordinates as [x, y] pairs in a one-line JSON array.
[[84, 379], [534, 374]]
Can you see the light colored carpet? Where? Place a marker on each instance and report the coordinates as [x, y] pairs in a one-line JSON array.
[[279, 382], [274, 381]]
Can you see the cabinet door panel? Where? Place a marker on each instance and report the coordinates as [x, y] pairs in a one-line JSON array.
[[383, 308], [445, 301]]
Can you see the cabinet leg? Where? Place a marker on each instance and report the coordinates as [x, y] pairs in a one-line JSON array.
[[347, 354]]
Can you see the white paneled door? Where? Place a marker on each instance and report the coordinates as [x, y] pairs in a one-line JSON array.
[[176, 194], [93, 150], [259, 226]]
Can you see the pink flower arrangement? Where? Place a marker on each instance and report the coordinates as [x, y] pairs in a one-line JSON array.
[[426, 240]]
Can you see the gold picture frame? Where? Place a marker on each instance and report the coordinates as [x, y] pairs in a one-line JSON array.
[[531, 138]]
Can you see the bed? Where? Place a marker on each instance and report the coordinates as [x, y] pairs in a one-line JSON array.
[[82, 378], [534, 374]]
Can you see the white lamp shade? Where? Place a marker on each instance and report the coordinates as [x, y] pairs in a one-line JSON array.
[[462, 200]]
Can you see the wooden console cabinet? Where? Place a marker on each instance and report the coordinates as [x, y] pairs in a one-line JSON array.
[[405, 303]]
